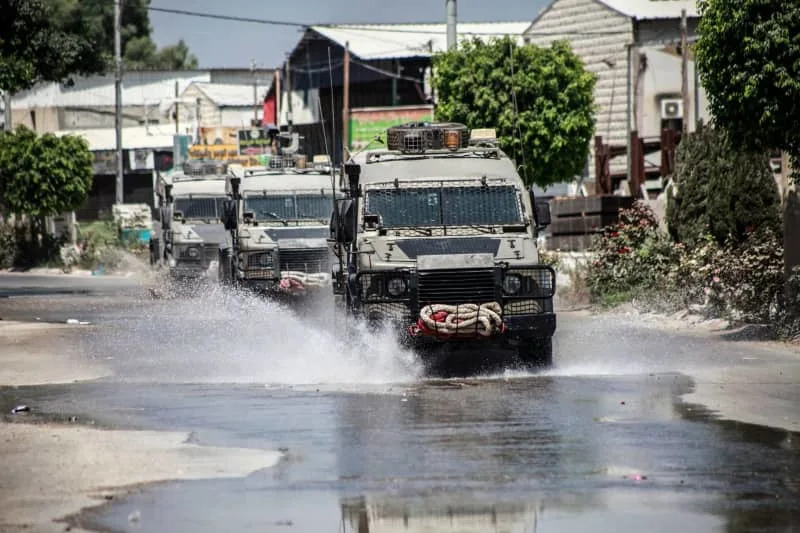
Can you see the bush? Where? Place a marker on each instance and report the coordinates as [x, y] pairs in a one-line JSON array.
[[742, 281], [721, 192], [24, 246], [634, 258]]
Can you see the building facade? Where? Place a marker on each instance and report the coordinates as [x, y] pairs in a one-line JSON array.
[[633, 47]]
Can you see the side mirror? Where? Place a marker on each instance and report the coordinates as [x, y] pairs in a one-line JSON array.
[[177, 215], [343, 223], [541, 209], [248, 217], [228, 214]]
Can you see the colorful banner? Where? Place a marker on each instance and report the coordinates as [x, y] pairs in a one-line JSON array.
[[368, 122]]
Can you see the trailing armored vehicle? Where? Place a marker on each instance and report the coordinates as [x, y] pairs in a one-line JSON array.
[[437, 237], [278, 220], [189, 230]]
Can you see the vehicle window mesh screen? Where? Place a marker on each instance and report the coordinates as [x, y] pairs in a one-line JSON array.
[[449, 206], [291, 207], [198, 207]]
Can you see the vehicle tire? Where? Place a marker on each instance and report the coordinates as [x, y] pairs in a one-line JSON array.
[[536, 352], [225, 267], [155, 249]]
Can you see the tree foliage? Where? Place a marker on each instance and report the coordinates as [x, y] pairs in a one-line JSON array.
[[749, 60], [43, 175], [51, 40], [96, 18], [34, 47], [722, 191], [543, 114]]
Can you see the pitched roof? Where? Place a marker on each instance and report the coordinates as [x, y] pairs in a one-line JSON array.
[[385, 41], [653, 9], [229, 94]]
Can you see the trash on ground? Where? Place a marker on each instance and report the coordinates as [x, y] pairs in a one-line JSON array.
[[20, 409]]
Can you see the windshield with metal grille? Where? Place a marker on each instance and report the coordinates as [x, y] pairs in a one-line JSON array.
[[294, 207], [449, 206], [198, 207]]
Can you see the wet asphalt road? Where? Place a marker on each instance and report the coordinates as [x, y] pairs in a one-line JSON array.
[[605, 441]]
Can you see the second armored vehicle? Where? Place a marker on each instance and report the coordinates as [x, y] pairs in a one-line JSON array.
[[278, 219]]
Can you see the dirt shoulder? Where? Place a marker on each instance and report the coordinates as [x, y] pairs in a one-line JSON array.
[[36, 353], [51, 471]]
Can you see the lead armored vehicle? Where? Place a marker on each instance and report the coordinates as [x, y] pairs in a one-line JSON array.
[[279, 225], [189, 230], [437, 238]]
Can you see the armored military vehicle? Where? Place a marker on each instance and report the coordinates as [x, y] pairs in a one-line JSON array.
[[279, 223], [437, 237], [189, 230]]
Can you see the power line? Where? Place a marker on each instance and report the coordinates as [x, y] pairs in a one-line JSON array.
[[376, 28], [226, 17]]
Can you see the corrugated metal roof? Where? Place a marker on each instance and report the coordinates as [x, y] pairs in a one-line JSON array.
[[229, 94], [385, 41], [653, 9], [138, 88], [156, 136]]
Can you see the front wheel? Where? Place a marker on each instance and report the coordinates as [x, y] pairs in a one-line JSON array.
[[536, 352], [225, 267]]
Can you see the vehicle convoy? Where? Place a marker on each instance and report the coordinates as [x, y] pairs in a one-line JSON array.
[[278, 220], [437, 237], [189, 230]]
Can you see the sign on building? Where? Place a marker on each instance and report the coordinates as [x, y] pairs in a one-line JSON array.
[[368, 122]]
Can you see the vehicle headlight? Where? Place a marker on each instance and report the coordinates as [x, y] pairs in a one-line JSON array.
[[192, 252], [264, 260], [396, 287], [511, 284]]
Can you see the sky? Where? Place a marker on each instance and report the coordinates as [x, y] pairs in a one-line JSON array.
[[219, 43]]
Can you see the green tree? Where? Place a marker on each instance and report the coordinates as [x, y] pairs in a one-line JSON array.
[[748, 55], [96, 18], [749, 60], [723, 192], [43, 175], [543, 114], [34, 47]]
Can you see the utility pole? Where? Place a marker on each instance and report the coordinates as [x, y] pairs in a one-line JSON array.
[[289, 95], [177, 110], [278, 96], [451, 24], [255, 92], [118, 93], [346, 103], [684, 73]]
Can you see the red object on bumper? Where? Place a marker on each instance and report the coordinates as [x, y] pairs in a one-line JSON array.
[[420, 329], [291, 285]]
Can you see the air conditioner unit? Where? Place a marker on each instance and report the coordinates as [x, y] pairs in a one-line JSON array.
[[671, 108]]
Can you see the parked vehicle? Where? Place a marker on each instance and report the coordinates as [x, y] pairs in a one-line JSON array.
[[437, 237]]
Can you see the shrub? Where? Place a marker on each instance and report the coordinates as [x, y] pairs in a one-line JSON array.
[[634, 257], [24, 246], [721, 192]]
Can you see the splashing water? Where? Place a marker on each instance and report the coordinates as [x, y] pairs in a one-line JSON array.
[[219, 336]]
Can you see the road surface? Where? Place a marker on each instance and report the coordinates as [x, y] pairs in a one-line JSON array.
[[642, 424]]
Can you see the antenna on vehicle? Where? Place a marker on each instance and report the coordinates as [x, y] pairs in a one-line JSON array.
[[516, 113]]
